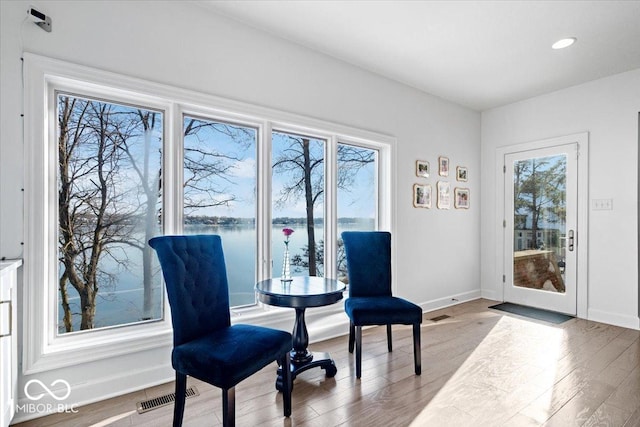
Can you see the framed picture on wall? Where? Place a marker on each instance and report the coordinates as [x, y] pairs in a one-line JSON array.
[[461, 173], [422, 196], [444, 195], [422, 169], [443, 166], [461, 198]]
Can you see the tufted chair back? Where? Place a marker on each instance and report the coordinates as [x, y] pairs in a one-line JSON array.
[[368, 256], [196, 279]]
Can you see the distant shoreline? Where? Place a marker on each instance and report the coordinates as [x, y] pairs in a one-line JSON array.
[[226, 220]]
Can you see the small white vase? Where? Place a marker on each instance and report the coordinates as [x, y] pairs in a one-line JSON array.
[[286, 264]]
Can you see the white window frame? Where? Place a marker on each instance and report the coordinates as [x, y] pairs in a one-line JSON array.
[[43, 349]]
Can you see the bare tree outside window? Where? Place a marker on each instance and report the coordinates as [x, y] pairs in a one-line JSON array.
[[298, 194], [109, 158]]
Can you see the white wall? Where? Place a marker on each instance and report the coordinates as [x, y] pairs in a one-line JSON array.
[[182, 45], [608, 110]]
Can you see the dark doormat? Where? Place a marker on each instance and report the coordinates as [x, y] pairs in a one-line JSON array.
[[532, 312]]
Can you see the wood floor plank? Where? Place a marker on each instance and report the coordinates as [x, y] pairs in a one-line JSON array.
[[480, 367], [608, 415]]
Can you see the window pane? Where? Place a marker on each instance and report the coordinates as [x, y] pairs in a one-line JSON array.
[[298, 202], [357, 194], [220, 196], [109, 199], [540, 217]]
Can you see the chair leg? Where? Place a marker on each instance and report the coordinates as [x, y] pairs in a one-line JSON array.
[[389, 345], [351, 336], [417, 353], [229, 407], [358, 351], [181, 394], [287, 388]]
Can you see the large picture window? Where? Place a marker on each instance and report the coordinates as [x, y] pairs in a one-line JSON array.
[[120, 160]]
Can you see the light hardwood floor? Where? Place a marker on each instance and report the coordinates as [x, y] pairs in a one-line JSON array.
[[480, 367]]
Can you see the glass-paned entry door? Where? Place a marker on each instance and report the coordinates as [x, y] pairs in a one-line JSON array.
[[540, 227]]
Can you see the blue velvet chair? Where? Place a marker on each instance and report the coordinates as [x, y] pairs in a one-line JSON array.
[[205, 344], [370, 302]]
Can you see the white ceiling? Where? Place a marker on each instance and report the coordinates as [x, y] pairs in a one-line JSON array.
[[480, 54]]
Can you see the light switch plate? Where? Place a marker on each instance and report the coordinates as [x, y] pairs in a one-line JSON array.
[[602, 204]]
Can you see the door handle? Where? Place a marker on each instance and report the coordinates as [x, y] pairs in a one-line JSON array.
[[10, 329], [571, 240]]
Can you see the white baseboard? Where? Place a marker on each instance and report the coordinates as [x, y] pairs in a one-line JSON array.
[[616, 319], [449, 301]]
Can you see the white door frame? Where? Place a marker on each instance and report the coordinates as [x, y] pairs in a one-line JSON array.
[[582, 241]]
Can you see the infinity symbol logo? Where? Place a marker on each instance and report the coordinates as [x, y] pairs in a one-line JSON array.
[[51, 393]]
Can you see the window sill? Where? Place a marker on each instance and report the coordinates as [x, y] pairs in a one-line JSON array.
[[105, 345]]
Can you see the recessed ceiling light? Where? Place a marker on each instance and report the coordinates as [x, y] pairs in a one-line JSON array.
[[562, 43]]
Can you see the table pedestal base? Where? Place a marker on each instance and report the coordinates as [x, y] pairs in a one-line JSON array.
[[318, 359]]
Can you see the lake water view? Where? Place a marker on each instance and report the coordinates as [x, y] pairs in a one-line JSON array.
[[121, 303]]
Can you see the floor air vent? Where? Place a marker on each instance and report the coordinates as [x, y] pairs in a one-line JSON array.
[[439, 318], [160, 401]]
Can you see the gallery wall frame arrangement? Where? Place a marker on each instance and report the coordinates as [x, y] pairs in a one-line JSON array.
[[423, 193]]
